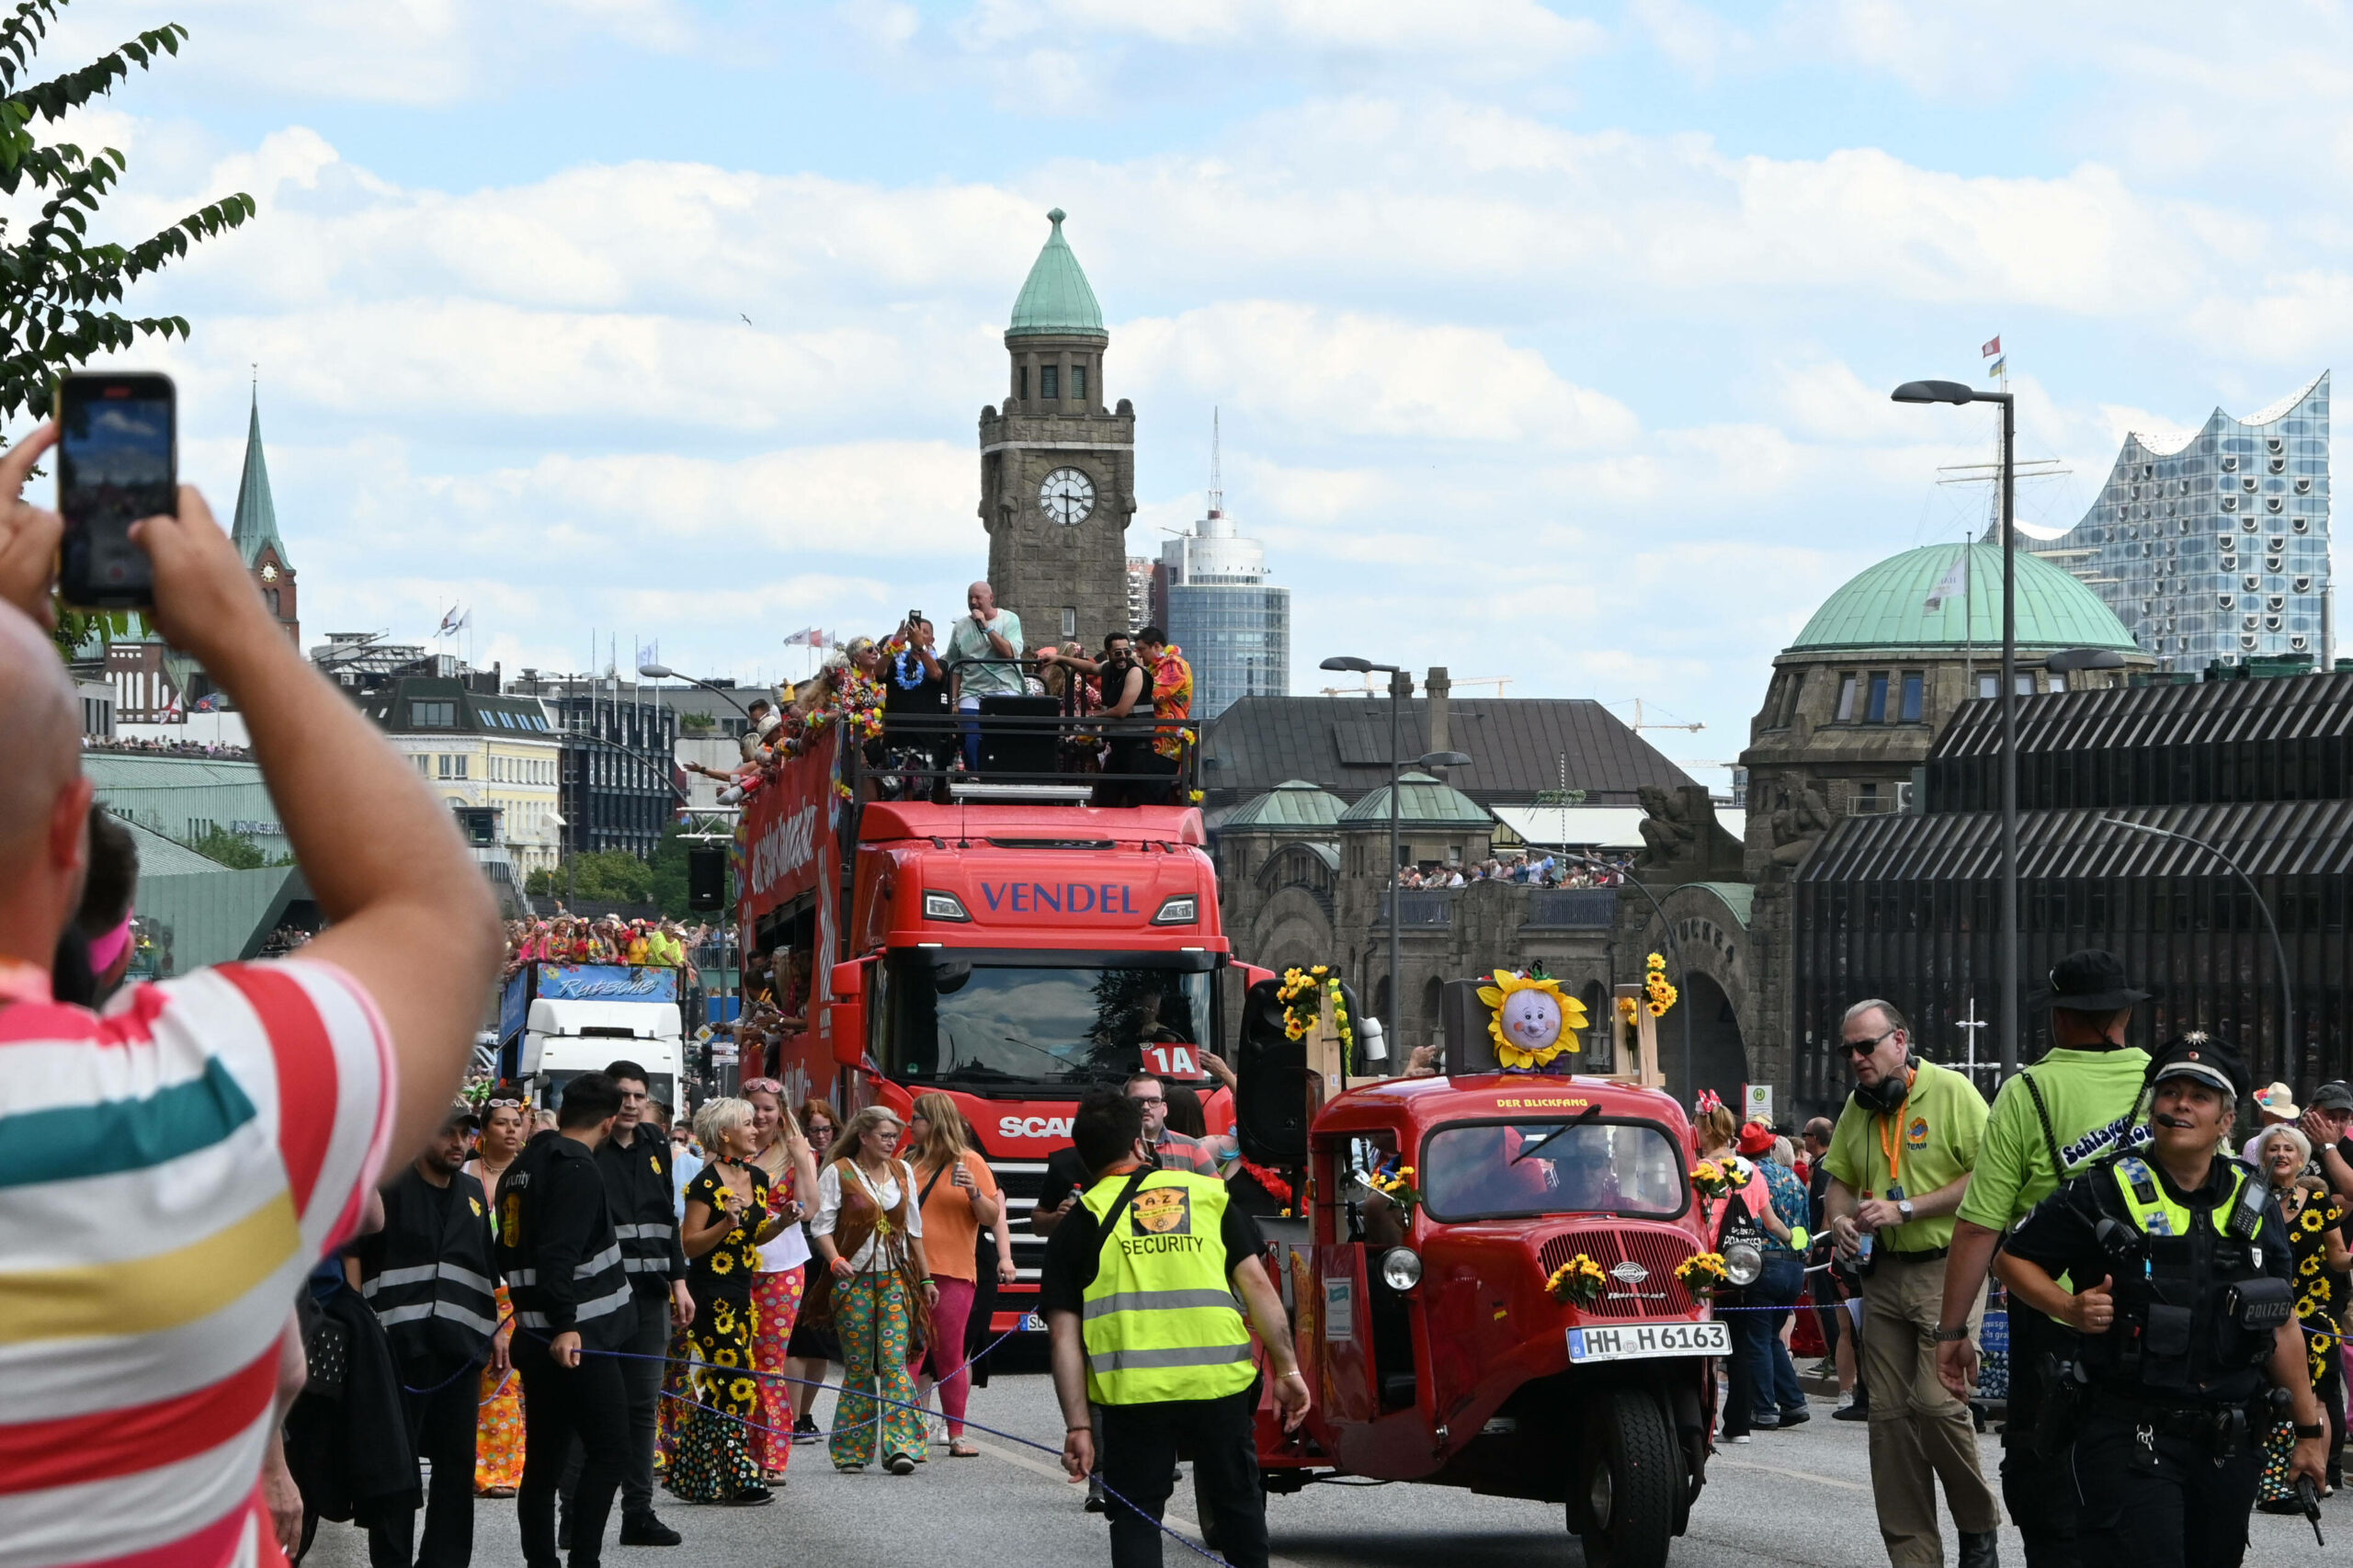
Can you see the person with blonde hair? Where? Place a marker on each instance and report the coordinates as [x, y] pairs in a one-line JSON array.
[[784, 1157], [727, 1219], [869, 1230], [959, 1198]]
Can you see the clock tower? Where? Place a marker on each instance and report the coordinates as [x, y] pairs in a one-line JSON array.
[[1058, 468]]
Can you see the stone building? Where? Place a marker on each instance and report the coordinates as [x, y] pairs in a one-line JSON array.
[[1058, 468]]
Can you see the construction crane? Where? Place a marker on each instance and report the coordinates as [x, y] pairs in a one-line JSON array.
[[1641, 723]]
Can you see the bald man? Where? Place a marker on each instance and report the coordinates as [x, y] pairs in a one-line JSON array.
[[171, 1171], [987, 632]]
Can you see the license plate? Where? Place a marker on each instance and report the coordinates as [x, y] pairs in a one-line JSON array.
[[1032, 1323], [1635, 1341]]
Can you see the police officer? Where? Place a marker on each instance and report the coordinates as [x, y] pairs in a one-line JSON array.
[[1138, 1288], [562, 1263], [427, 1273], [635, 1164], [2074, 1107], [2179, 1280]]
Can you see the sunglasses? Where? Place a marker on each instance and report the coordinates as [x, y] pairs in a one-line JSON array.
[[505, 1104], [1864, 1047]]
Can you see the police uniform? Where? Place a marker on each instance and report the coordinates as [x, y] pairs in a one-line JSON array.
[[428, 1276], [1147, 1269], [561, 1257], [2173, 1397]]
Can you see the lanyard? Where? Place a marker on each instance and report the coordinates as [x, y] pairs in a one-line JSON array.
[[1891, 1141]]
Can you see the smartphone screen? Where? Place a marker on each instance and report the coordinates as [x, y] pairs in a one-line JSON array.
[[117, 462]]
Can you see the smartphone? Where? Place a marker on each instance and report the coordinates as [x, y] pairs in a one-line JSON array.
[[118, 460]]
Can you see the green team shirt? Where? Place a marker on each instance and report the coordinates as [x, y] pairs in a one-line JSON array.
[[2090, 1094], [1937, 1139]]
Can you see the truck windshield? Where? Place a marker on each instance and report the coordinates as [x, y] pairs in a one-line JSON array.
[[945, 1017], [1493, 1170]]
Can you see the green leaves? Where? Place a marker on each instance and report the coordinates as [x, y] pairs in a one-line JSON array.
[[56, 284]]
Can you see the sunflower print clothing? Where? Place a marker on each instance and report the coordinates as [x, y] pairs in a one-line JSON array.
[[716, 1456], [873, 1317], [2319, 1312], [498, 1428]]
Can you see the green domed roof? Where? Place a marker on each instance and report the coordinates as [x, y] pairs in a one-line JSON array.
[[1887, 605], [1056, 301], [1422, 800], [1293, 803]]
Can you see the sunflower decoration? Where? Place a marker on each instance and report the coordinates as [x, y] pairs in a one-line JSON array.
[[1577, 1283], [1627, 1007], [1661, 991], [1702, 1274], [1396, 1183], [1302, 993], [1712, 1181], [722, 1263], [1534, 1019], [2310, 1266], [742, 1390], [726, 1356]]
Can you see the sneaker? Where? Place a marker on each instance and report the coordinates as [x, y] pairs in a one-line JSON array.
[[1797, 1415], [1742, 1438], [900, 1464], [1852, 1410], [751, 1497], [1765, 1423], [647, 1530], [805, 1430]]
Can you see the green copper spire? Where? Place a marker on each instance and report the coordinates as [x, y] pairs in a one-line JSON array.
[[256, 519], [1056, 301]]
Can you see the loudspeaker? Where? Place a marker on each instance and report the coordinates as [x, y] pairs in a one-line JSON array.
[[1470, 1048], [1270, 1082], [1032, 749], [706, 878]]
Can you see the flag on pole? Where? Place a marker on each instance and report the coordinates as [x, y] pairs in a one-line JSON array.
[[1991, 349], [449, 623], [1951, 586], [807, 637], [2000, 367]]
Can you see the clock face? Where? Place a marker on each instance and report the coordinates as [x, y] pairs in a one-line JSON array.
[[269, 573], [1067, 496]]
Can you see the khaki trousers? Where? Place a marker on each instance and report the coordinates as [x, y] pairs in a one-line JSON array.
[[1920, 1432]]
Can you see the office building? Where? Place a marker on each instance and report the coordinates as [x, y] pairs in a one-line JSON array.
[[1216, 604]]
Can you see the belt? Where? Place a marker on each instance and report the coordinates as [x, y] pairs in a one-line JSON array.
[[2175, 1420], [1926, 1255]]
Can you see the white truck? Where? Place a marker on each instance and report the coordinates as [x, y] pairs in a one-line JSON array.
[[558, 1021]]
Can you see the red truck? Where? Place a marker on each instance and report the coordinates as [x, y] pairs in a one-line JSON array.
[[1009, 947]]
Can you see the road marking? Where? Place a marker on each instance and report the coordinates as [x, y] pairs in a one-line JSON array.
[[1778, 1470], [1055, 1472]]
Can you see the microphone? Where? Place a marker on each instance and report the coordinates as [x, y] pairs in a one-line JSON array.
[[2164, 1119]]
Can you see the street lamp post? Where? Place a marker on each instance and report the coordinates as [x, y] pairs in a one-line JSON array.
[[2006, 960], [1691, 1082], [2279, 948], [1398, 684], [663, 672]]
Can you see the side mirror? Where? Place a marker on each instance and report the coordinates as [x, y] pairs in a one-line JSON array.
[[849, 1034], [848, 980]]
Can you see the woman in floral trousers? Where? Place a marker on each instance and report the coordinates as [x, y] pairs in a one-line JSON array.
[[869, 1230]]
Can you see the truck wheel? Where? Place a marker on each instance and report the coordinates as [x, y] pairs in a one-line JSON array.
[[1630, 1476]]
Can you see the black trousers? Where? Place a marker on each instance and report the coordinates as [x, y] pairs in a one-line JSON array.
[[560, 1403], [2161, 1501], [2039, 1493], [441, 1425], [641, 1370], [1139, 1464]]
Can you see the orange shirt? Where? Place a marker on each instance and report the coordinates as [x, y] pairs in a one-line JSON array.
[[952, 1232]]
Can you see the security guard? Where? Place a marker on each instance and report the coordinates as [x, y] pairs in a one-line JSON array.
[[1138, 1292], [427, 1273], [2186, 1307], [562, 1263], [2074, 1107]]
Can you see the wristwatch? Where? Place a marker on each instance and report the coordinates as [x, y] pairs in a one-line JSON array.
[[2315, 1430], [1904, 1208], [1949, 1336]]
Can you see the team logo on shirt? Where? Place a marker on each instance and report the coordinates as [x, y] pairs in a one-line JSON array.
[[477, 1206], [653, 1164], [1917, 1135], [1163, 1211]]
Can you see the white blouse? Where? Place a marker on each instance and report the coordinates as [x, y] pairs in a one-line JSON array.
[[885, 1192]]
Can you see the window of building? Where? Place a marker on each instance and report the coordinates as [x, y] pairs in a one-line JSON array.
[[424, 764], [1049, 376], [1078, 383], [445, 766], [1846, 699], [1989, 685], [432, 715], [2026, 683], [1915, 691], [1877, 713]]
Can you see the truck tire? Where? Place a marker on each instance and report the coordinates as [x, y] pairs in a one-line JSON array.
[[1630, 1478]]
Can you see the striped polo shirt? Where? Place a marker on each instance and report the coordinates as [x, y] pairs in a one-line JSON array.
[[169, 1172]]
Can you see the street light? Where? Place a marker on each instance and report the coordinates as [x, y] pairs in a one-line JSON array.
[[2006, 960], [2278, 949], [663, 672], [1398, 686]]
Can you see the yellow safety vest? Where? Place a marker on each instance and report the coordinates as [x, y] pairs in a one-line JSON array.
[[2157, 1214], [1160, 1319]]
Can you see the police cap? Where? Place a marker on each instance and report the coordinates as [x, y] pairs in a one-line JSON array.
[[2201, 1056]]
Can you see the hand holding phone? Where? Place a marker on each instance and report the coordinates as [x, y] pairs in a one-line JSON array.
[[118, 461]]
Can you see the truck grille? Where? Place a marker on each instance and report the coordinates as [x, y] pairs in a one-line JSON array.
[[1659, 1293], [1020, 1181]]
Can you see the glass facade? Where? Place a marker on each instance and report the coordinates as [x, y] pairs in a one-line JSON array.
[[2215, 546], [1217, 606]]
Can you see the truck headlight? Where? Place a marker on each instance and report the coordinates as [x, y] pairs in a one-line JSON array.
[[1742, 1263], [1182, 910], [1400, 1268], [943, 906]]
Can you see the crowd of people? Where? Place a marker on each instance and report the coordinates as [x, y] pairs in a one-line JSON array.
[[566, 938], [126, 743], [917, 710], [1529, 870]]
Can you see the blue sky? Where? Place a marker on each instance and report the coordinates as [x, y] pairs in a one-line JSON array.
[[1551, 342]]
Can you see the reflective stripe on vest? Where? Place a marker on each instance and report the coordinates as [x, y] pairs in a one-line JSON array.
[[1159, 1318], [2155, 1213]]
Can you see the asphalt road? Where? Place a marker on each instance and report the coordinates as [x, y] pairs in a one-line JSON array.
[[1800, 1497]]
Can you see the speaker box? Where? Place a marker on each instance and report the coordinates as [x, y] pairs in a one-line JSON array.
[[706, 878], [1270, 1082], [1469, 1049]]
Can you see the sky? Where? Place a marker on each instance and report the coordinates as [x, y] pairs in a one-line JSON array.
[[1550, 343]]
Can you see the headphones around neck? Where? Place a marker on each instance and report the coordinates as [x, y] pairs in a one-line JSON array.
[[1889, 1092]]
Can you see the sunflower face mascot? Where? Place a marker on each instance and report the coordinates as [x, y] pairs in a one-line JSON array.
[[1534, 1020]]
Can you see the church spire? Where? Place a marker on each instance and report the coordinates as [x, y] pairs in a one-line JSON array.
[[255, 525], [1056, 301]]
